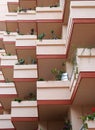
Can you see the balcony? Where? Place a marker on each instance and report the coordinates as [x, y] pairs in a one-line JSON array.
[[51, 47], [25, 71], [5, 122], [52, 13], [84, 83], [53, 90], [8, 60], [25, 114], [81, 25]]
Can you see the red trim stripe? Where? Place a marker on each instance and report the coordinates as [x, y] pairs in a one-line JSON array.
[[26, 119], [51, 56], [25, 47], [24, 79], [52, 102]]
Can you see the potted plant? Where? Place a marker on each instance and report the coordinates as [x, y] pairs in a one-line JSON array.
[[58, 73], [67, 125]]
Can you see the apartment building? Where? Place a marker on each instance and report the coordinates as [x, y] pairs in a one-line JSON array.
[[47, 64]]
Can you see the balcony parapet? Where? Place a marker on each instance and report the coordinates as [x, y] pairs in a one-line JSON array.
[[5, 122], [29, 15], [26, 40], [46, 47], [52, 13], [26, 37], [86, 59], [24, 109], [25, 71], [7, 89], [11, 16], [9, 37], [8, 60], [53, 90], [83, 9]]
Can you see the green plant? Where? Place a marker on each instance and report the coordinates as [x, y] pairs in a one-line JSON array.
[[32, 31], [58, 73], [8, 54], [41, 36], [54, 5], [34, 61], [31, 96], [41, 79], [87, 117], [18, 100], [8, 32], [20, 62], [67, 125], [53, 35]]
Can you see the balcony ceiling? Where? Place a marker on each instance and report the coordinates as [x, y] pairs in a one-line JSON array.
[[25, 88], [86, 92], [12, 6], [82, 36], [26, 4], [8, 73], [53, 112], [2, 26], [6, 101], [10, 48], [1, 44], [45, 3], [23, 125]]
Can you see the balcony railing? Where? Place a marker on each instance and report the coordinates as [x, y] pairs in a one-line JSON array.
[[82, 9], [52, 13], [9, 37], [7, 89], [11, 16], [28, 15], [26, 40], [24, 109], [25, 71], [8, 60], [53, 90], [49, 47], [5, 122]]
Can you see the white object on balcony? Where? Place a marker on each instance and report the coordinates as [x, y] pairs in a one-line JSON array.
[[64, 77]]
